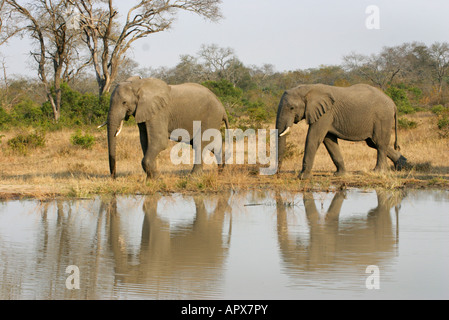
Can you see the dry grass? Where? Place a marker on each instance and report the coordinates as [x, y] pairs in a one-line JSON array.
[[61, 169]]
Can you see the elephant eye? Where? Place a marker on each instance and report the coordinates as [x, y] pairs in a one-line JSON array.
[[291, 108]]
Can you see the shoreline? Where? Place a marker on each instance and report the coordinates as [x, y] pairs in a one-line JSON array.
[[211, 182]]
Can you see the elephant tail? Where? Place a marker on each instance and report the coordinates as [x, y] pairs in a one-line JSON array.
[[396, 145], [224, 153], [226, 121]]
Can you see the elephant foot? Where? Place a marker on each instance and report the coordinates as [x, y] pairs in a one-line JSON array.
[[304, 176], [152, 175], [380, 168], [340, 173], [197, 170], [401, 163]]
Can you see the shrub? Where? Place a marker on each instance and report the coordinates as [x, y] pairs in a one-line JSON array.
[[23, 142], [26, 112], [407, 124], [438, 109], [85, 141], [258, 112], [443, 123], [223, 88], [400, 95], [5, 119]]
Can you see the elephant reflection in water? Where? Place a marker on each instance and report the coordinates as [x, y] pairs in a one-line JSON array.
[[187, 261], [330, 243]]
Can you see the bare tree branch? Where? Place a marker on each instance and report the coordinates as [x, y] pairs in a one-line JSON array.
[[108, 41]]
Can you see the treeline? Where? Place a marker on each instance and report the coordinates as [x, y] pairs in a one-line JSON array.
[[415, 75]]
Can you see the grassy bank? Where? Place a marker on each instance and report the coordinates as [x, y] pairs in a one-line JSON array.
[[62, 169]]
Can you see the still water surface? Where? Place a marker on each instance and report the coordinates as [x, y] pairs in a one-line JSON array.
[[249, 245]]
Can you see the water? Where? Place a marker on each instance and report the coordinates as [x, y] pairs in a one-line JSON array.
[[249, 245]]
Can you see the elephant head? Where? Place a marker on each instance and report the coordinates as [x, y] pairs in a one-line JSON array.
[[303, 102], [141, 98]]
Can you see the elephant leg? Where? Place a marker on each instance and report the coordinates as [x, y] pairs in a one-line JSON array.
[[333, 213], [315, 136], [198, 161], [143, 137], [395, 156], [380, 142], [220, 157], [331, 144], [159, 142]]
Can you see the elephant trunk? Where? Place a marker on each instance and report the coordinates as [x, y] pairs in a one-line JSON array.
[[115, 124], [112, 146], [283, 126], [281, 150]]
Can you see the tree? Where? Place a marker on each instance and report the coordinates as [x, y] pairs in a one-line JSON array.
[[222, 63], [45, 22], [382, 68], [108, 39], [440, 62]]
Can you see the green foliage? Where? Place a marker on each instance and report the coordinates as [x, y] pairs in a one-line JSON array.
[[245, 109], [443, 123], [85, 141], [439, 109], [223, 88], [404, 123], [79, 109], [258, 113], [400, 98], [26, 113], [22, 143], [5, 119]]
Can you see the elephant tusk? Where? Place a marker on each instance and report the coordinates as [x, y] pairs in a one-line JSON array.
[[101, 126], [119, 129], [285, 132]]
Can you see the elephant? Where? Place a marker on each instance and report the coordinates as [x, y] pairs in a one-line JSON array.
[[159, 109], [335, 242], [356, 113]]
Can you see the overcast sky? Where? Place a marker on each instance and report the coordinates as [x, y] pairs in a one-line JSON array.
[[289, 34]]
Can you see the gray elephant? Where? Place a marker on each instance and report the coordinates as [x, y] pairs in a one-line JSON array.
[[357, 113], [159, 109]]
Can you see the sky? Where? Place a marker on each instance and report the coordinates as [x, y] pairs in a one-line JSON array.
[[289, 34]]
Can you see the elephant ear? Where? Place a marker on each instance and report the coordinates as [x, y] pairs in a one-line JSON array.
[[317, 104], [152, 97]]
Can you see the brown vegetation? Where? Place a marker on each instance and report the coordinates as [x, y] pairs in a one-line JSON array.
[[63, 169]]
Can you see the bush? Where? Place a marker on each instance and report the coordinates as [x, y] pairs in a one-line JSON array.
[[400, 95], [26, 112], [443, 123], [79, 109], [407, 124], [85, 141], [438, 109], [23, 142], [5, 119], [223, 88]]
